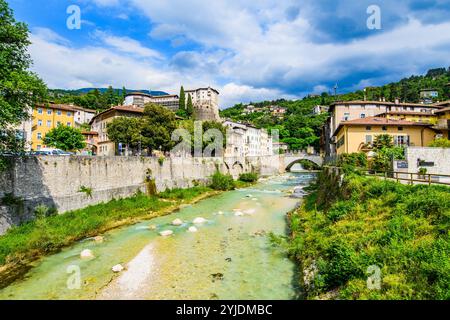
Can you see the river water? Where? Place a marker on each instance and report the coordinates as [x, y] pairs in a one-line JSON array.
[[230, 257]]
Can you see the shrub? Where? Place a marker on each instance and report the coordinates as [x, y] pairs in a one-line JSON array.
[[222, 182], [86, 190], [248, 177], [356, 159], [440, 143]]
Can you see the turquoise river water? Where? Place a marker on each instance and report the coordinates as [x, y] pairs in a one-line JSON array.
[[230, 257]]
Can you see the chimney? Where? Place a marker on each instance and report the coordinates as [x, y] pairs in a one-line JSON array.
[[384, 99], [397, 100]]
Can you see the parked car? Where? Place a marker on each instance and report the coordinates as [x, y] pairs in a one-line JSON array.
[[51, 152]]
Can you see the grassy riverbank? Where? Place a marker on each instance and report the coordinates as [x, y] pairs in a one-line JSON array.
[[23, 244], [342, 235]]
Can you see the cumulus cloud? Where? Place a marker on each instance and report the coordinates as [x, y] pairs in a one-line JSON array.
[[256, 50], [127, 45]]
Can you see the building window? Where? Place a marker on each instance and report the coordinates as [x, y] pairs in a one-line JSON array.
[[346, 116], [40, 111], [340, 142], [400, 128], [384, 128], [39, 135], [69, 124], [69, 114], [368, 128], [59, 112], [368, 139], [40, 123], [363, 115], [39, 147], [49, 123], [49, 111], [401, 140]]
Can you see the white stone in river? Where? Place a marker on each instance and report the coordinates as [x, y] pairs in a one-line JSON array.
[[238, 213], [220, 212], [199, 220], [86, 254], [98, 239], [166, 233], [255, 199], [117, 268], [177, 222], [192, 229], [249, 196]]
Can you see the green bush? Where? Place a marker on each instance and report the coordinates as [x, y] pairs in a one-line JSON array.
[[222, 182], [248, 177], [356, 159], [402, 229]]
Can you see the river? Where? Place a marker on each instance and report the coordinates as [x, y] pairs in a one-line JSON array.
[[230, 257]]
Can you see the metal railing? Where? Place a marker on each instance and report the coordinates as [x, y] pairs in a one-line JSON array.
[[410, 177]]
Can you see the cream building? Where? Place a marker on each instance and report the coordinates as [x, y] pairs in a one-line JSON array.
[[247, 140], [83, 116], [99, 124]]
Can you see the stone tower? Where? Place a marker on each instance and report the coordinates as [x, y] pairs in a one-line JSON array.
[[206, 103]]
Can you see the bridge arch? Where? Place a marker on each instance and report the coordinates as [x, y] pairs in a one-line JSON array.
[[294, 159], [236, 169]]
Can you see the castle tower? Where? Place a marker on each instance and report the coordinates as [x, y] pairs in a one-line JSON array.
[[206, 103]]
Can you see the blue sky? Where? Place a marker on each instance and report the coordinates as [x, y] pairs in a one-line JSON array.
[[248, 50]]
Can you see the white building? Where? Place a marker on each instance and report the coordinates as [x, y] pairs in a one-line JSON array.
[[170, 101], [205, 102], [247, 140], [83, 116]]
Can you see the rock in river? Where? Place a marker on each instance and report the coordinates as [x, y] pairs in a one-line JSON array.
[[166, 233], [192, 229], [117, 268], [177, 222], [87, 254], [98, 239], [199, 220]]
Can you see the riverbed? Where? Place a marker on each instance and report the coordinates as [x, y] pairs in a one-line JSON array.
[[229, 257]]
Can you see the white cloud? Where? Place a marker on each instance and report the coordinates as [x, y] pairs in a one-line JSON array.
[[127, 45], [106, 3], [232, 94]]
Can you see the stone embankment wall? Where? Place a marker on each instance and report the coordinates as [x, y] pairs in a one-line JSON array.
[[56, 181]]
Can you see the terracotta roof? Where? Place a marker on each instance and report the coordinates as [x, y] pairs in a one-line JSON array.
[[410, 113], [382, 122], [93, 133], [386, 103], [56, 106], [138, 94], [202, 89], [443, 110], [134, 109], [84, 109]]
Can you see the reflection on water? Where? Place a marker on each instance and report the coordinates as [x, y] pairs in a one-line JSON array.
[[228, 258]]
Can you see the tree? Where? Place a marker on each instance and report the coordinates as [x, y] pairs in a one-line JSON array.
[[123, 95], [126, 130], [383, 141], [189, 107], [158, 124], [65, 138], [182, 101], [20, 89], [109, 98]]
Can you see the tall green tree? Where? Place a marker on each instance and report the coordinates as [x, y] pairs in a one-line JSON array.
[[189, 107], [65, 138], [182, 102], [20, 89]]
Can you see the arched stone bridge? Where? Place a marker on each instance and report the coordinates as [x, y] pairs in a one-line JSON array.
[[293, 158]]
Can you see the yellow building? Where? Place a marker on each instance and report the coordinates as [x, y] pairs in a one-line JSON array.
[[47, 117], [358, 135], [443, 122]]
